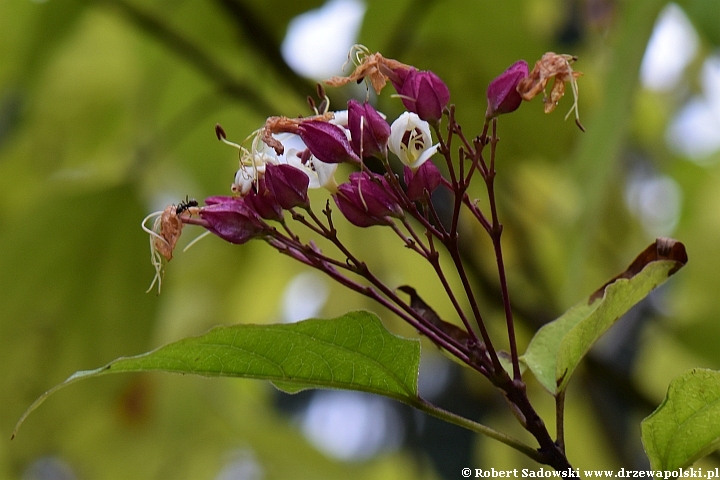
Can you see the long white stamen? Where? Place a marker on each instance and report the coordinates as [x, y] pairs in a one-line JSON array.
[[197, 239], [152, 232], [156, 258]]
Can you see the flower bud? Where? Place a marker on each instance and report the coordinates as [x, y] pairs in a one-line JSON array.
[[398, 76], [232, 220], [288, 184], [369, 132], [327, 142], [215, 199], [502, 94], [367, 200], [264, 203], [426, 178], [425, 94]]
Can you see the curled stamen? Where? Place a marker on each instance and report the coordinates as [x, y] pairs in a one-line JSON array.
[[164, 234], [251, 161], [356, 54], [156, 258], [371, 67]]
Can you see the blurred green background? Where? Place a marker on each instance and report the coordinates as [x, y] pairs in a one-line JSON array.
[[107, 111]]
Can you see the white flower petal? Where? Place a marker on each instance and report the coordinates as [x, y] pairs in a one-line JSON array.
[[419, 144], [424, 157], [325, 173], [340, 118]]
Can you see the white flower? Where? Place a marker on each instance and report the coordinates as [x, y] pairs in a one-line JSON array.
[[244, 179], [252, 164], [411, 141], [321, 174]]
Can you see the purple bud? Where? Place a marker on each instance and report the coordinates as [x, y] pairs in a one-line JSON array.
[[426, 178], [502, 92], [327, 142], [232, 220], [288, 184], [399, 75], [366, 200], [264, 203], [215, 199], [425, 94], [368, 129]]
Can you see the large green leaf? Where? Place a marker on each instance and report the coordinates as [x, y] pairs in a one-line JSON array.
[[353, 352], [557, 348], [685, 427]]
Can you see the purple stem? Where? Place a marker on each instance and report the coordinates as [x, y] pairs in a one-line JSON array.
[[496, 234]]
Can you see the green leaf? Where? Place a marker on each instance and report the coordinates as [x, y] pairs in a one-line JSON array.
[[353, 352], [685, 427], [557, 348]]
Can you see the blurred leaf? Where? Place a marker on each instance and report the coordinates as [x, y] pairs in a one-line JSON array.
[[52, 24], [705, 14], [557, 348], [597, 156], [685, 427], [353, 352]]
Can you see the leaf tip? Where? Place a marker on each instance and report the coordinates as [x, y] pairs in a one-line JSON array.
[[663, 248]]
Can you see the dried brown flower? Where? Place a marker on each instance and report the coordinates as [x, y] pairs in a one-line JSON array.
[[170, 227], [287, 125], [552, 65], [373, 67]]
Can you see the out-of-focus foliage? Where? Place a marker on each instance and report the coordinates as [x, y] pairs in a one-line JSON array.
[[107, 112]]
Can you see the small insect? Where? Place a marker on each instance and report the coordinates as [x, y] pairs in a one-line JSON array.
[[185, 205]]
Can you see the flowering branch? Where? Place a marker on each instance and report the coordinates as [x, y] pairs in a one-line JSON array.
[[287, 156]]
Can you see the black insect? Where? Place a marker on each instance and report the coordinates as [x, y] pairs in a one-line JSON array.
[[186, 204]]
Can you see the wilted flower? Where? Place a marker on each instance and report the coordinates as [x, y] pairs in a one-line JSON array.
[[369, 132], [502, 94], [552, 65], [411, 141], [164, 235], [372, 67], [424, 93]]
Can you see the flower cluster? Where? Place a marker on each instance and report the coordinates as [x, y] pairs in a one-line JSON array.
[[286, 157]]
